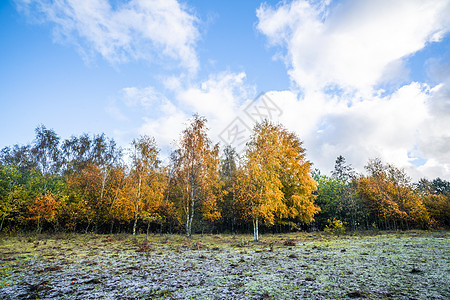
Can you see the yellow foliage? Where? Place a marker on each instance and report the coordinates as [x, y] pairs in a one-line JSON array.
[[275, 181], [389, 193]]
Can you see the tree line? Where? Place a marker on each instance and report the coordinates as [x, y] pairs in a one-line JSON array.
[[89, 184]]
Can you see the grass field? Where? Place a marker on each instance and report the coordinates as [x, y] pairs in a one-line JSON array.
[[400, 265]]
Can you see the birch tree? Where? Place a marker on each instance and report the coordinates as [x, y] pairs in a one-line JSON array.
[[389, 194], [275, 181], [197, 173], [144, 176], [46, 151]]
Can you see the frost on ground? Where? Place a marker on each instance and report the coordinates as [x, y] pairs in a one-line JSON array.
[[412, 265]]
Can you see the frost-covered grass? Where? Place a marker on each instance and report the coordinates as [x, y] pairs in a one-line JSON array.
[[401, 265]]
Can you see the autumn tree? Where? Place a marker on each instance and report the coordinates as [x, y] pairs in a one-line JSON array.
[[275, 181], [88, 165], [197, 172], [147, 182], [11, 192], [228, 173], [438, 206], [297, 181], [44, 209], [436, 198], [106, 158], [116, 183], [23, 181], [83, 194], [389, 194], [212, 189]]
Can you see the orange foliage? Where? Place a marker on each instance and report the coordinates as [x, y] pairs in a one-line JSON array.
[[44, 208], [389, 194]]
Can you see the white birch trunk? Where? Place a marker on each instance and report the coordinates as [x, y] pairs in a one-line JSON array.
[[255, 229]]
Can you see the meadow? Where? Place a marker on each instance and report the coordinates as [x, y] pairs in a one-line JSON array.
[[372, 265]]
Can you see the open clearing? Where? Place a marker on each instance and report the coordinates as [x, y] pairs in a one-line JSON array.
[[401, 265]]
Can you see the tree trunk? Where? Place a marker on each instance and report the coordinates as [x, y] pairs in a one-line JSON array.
[[192, 218], [148, 227], [190, 212], [111, 228], [38, 229], [187, 225], [189, 217], [232, 226], [187, 221], [189, 230], [255, 229], [134, 225]]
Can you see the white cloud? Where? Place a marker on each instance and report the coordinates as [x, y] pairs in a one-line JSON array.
[[217, 97], [145, 97], [166, 129], [136, 29], [220, 98], [351, 44], [339, 53], [435, 142], [399, 128], [380, 127]]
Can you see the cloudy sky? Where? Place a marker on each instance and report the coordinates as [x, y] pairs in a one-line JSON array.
[[359, 78]]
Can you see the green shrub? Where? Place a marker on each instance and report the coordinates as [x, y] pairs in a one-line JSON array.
[[335, 227]]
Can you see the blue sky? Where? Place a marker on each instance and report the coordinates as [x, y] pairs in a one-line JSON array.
[[361, 79]]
